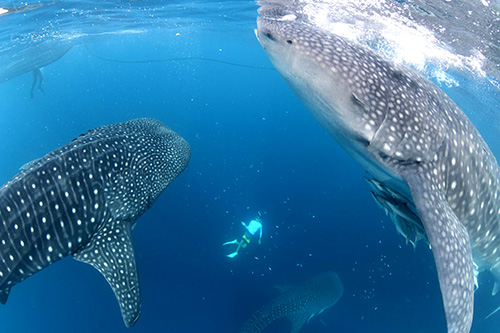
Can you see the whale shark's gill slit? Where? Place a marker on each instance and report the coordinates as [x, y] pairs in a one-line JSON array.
[[269, 36], [365, 142], [150, 61], [380, 127], [398, 75], [357, 100], [405, 79]]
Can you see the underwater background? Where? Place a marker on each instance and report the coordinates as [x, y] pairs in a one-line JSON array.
[[197, 67]]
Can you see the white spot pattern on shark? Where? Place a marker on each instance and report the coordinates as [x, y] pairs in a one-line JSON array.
[[83, 199]]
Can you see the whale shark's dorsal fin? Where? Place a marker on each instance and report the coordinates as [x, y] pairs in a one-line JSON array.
[[29, 164], [284, 288], [111, 252]]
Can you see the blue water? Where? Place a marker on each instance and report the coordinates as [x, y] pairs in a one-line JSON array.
[[254, 148]]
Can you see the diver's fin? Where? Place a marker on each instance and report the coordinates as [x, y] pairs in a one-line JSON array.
[[111, 252], [450, 245], [496, 287], [496, 274], [232, 255], [492, 313]]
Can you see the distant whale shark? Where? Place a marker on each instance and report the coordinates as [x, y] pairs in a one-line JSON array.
[[425, 155], [31, 59], [299, 304], [83, 200]]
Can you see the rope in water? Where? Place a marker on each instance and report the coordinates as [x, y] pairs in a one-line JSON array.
[[177, 59]]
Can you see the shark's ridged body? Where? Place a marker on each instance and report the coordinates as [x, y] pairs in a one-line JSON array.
[[422, 151], [83, 199], [298, 304]]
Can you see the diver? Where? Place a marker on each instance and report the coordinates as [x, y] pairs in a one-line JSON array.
[[252, 228], [37, 77]]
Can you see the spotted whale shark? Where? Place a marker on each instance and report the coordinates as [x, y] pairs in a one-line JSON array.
[[431, 166], [298, 303], [83, 199]]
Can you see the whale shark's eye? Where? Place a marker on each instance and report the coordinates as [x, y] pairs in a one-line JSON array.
[[268, 35], [289, 42]]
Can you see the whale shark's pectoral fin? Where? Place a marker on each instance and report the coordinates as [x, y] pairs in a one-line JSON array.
[[451, 248], [4, 294], [111, 252], [298, 320]]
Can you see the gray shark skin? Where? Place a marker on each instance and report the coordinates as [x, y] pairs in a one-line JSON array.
[[83, 200], [413, 140], [299, 304], [32, 59]]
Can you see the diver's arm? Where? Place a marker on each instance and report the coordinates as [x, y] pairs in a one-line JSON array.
[[260, 237], [243, 223]]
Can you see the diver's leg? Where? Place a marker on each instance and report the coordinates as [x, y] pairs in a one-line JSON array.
[[235, 253], [35, 77], [40, 80], [231, 242]]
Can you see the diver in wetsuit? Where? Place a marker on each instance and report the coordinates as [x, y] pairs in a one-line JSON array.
[[252, 228]]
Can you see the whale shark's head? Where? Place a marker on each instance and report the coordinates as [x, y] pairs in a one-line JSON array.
[[370, 105], [150, 157], [319, 70]]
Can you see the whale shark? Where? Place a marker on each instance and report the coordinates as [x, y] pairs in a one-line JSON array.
[[298, 303], [83, 200], [433, 169], [31, 59]]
